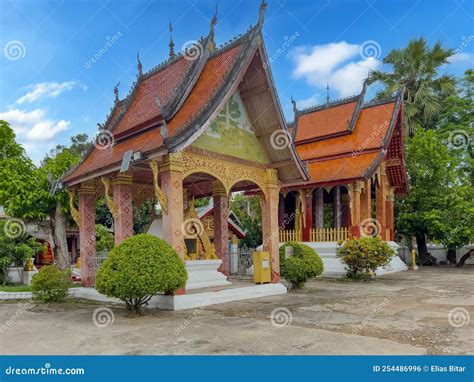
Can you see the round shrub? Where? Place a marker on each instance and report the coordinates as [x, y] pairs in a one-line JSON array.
[[51, 284], [138, 268], [362, 256], [304, 264]]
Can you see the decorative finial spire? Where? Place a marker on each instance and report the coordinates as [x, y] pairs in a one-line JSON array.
[[293, 102], [116, 93], [139, 65], [212, 43], [327, 94], [171, 44], [261, 13]]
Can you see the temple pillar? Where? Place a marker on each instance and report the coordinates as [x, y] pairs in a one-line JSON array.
[[381, 202], [123, 197], [172, 185], [270, 221], [337, 213], [281, 211], [86, 196], [365, 202], [308, 200], [73, 249], [390, 206], [221, 231], [319, 205], [354, 198]]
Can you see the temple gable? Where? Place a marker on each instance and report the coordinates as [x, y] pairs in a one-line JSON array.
[[230, 133]]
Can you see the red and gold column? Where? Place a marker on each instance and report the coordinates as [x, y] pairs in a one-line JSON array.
[[381, 201], [354, 202], [337, 212], [390, 224], [123, 197], [308, 200], [270, 221], [172, 185], [86, 196], [221, 231], [319, 205]]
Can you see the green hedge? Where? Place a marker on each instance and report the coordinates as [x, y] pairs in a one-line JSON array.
[[138, 268], [303, 265], [362, 256], [51, 284]]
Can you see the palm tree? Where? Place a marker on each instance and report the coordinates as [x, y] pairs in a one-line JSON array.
[[415, 72]]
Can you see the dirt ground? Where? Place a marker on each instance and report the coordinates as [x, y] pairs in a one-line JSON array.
[[423, 312]]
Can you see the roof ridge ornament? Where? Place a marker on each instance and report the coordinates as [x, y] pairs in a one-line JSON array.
[[171, 44], [327, 94], [116, 92], [261, 13], [212, 44], [139, 65], [293, 102]]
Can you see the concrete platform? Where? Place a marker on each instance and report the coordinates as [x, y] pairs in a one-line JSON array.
[[197, 298], [333, 267]]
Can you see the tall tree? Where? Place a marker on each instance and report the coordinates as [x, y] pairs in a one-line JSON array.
[[415, 71], [25, 188]]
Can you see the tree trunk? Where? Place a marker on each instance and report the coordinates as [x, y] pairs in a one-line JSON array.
[[59, 234], [451, 255], [422, 248]]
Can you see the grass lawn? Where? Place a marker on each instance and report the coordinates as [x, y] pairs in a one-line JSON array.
[[26, 288]]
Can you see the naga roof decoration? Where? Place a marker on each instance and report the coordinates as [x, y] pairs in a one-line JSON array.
[[168, 107]]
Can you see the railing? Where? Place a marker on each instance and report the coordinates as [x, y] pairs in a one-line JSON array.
[[329, 234], [290, 235]]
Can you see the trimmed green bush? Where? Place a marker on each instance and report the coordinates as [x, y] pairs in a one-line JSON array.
[[138, 268], [51, 284], [303, 265], [362, 256]]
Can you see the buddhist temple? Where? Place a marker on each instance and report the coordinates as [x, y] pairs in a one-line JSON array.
[[208, 122]]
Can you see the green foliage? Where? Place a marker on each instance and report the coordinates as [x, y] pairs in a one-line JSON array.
[[51, 284], [304, 264], [137, 269], [105, 241], [415, 71], [15, 249], [362, 256], [248, 211]]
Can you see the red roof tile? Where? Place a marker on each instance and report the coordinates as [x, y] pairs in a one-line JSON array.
[[325, 121]]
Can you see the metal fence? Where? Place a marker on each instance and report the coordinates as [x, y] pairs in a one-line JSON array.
[[241, 263]]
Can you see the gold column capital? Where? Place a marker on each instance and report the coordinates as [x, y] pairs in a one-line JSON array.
[[122, 178], [218, 188], [173, 162], [271, 178], [87, 188]]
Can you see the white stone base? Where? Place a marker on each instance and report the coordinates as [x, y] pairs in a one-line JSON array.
[[193, 300], [201, 300], [204, 274], [26, 276], [333, 267], [14, 274]]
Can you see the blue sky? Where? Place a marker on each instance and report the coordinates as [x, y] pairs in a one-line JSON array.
[[50, 90]]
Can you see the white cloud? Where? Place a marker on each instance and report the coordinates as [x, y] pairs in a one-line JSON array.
[[338, 64], [48, 90], [307, 102], [34, 126], [462, 58]]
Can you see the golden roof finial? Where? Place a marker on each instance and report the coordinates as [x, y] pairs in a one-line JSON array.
[[139, 65], [261, 13]]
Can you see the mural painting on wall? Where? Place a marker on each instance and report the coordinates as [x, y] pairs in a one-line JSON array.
[[230, 133]]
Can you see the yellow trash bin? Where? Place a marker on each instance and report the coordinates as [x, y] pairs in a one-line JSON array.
[[262, 272]]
